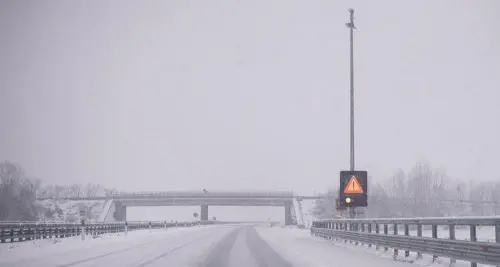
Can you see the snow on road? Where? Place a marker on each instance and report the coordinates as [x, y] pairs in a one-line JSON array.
[[137, 248], [303, 250], [205, 246], [210, 246]]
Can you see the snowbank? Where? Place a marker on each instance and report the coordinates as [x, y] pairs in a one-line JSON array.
[[298, 246]]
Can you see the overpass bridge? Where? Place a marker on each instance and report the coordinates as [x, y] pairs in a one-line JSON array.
[[117, 203]]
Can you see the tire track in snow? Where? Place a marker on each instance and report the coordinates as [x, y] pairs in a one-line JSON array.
[[100, 256]]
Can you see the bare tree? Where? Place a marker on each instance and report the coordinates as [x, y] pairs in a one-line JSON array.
[[109, 192], [76, 190], [91, 190], [326, 206], [17, 193], [60, 191], [423, 191]]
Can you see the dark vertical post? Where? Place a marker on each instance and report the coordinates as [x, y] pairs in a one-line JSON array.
[[419, 234], [395, 231], [350, 25], [407, 233], [386, 231], [434, 235], [288, 213], [452, 237], [204, 213], [473, 238]]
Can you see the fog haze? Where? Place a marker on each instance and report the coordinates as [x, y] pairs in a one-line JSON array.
[[246, 95]]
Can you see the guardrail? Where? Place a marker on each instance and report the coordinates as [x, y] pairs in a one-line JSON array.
[[370, 232], [278, 194], [25, 231]]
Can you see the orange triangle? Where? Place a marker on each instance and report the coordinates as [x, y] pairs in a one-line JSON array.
[[353, 186]]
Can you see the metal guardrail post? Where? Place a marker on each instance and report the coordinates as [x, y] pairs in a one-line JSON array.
[[346, 228], [328, 227], [338, 226], [473, 251], [419, 234], [11, 235], [332, 227], [497, 234], [377, 231], [363, 228], [452, 237], [386, 232], [82, 231], [357, 229], [407, 233], [353, 228], [369, 231], [395, 231], [473, 238], [434, 235]]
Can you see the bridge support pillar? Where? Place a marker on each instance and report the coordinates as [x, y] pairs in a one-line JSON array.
[[204, 213], [120, 214], [288, 214]]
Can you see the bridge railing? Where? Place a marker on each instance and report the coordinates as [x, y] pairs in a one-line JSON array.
[[26, 231], [395, 234], [275, 194]]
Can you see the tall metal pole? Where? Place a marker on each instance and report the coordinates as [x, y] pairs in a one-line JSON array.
[[350, 25]]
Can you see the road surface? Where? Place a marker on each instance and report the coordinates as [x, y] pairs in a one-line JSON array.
[[206, 246]]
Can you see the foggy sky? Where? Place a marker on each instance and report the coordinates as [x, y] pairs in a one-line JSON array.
[[166, 95]]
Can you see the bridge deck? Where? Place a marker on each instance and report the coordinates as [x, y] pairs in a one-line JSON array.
[[189, 194]]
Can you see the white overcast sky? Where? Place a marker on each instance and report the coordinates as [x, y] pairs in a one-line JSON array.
[[233, 94]]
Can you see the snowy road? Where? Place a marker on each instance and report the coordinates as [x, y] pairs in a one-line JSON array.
[[208, 246]]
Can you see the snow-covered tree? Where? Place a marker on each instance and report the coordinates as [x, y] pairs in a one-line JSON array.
[[423, 191], [17, 193]]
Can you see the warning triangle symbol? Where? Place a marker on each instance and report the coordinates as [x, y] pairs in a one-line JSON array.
[[353, 186]]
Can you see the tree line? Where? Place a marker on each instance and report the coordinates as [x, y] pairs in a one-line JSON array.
[[18, 193], [421, 192]]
